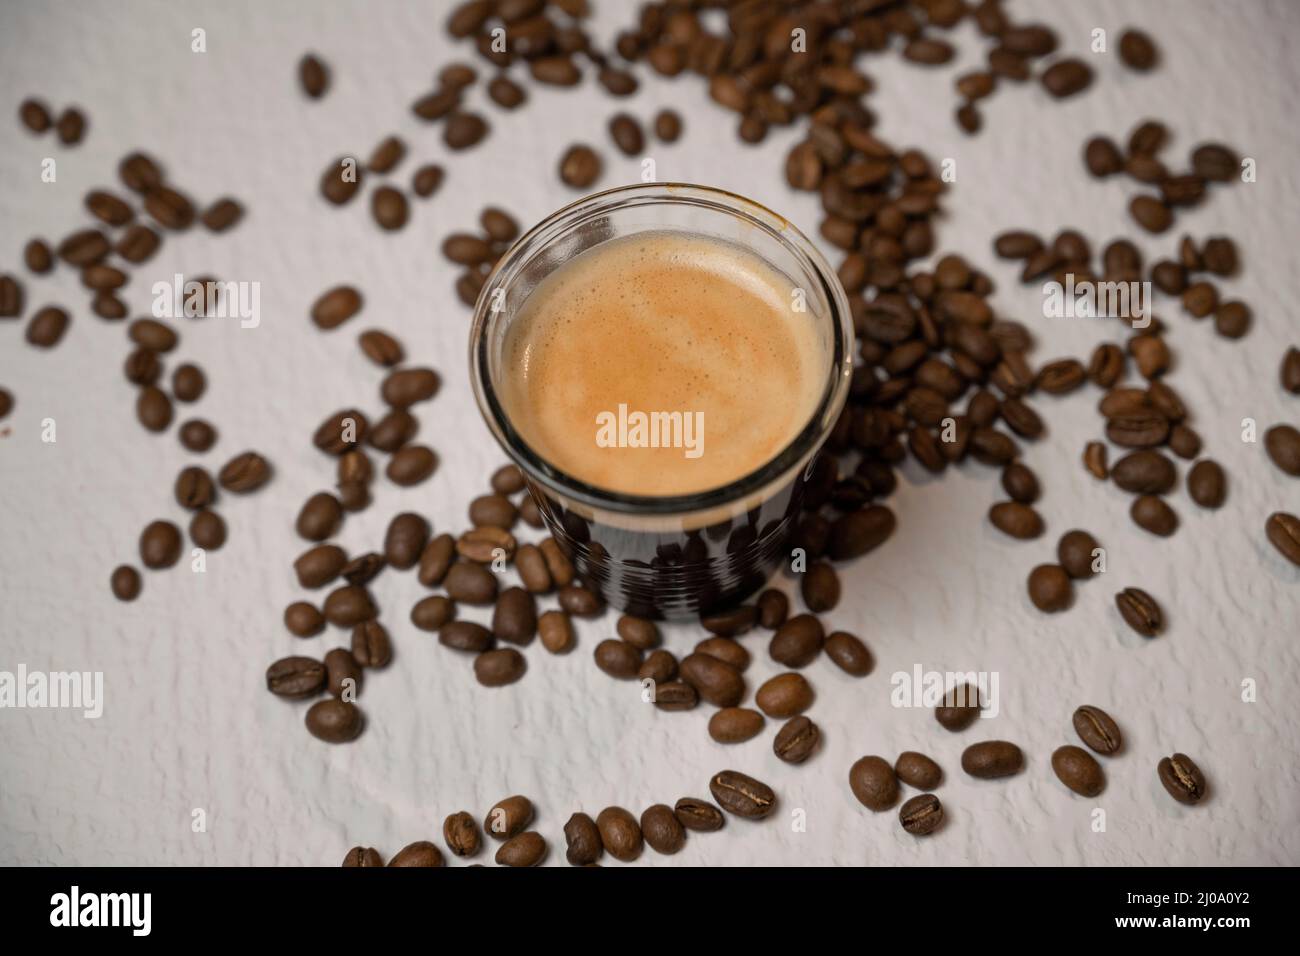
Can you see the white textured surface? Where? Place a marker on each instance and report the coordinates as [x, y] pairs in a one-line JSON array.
[[187, 721]]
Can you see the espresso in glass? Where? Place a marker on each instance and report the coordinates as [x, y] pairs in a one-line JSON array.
[[663, 363]]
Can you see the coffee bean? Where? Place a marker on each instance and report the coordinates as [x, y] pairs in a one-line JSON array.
[[532, 569], [405, 387], [675, 695], [921, 815], [582, 838], [46, 327], [1019, 481], [668, 126], [188, 383], [334, 721], [464, 130], [638, 632], [318, 566], [1145, 473], [431, 613], [1078, 770], [11, 298], [797, 642], [405, 539], [153, 408], [849, 654], [493, 510], [1102, 157], [1282, 442], [341, 180], [71, 126], [83, 248], [411, 465], [244, 473], [303, 619], [742, 795], [422, 853], [169, 208], [342, 673], [470, 583], [1215, 162], [662, 830], [698, 815], [314, 76], [820, 587], [1077, 550], [296, 678], [34, 115], [1290, 372], [335, 306], [371, 646], [620, 833], [108, 208], [426, 180], [578, 601], [194, 488], [348, 606], [580, 166], [138, 244], [125, 583], [725, 649], [391, 432], [716, 681], [1067, 77], [960, 707], [992, 758], [506, 93], [1140, 611], [660, 667], [626, 133], [320, 517], [991, 447], [874, 783], [1151, 214], [773, 606], [618, 659], [1207, 484], [1137, 50], [617, 82], [783, 696], [1098, 730], [437, 558], [1094, 459], [555, 71], [1283, 532], [389, 208], [733, 725], [1050, 588], [381, 348], [363, 856], [460, 635], [160, 545], [1016, 519], [1154, 514], [732, 622], [497, 668], [1182, 778], [796, 740], [514, 619]]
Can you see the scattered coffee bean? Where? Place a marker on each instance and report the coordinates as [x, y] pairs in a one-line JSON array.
[[1098, 730], [742, 795], [125, 583], [796, 740], [874, 783], [342, 673], [1154, 514], [160, 545], [1137, 50], [411, 465], [1050, 588], [245, 473], [1282, 442], [1283, 532], [1207, 484], [71, 126], [798, 641], [334, 721], [1140, 611], [992, 758], [1078, 770], [1182, 778], [668, 126], [371, 646], [303, 619], [733, 725], [582, 839], [1290, 372], [820, 587], [626, 133], [918, 770], [499, 667], [34, 115], [314, 76], [580, 167], [960, 707], [45, 329], [360, 856], [422, 854], [296, 678], [1016, 519], [662, 830], [426, 180], [921, 815], [1077, 552]]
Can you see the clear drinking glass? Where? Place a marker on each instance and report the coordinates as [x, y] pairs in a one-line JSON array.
[[674, 555]]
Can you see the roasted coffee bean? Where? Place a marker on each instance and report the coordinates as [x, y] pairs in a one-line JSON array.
[[437, 558], [499, 667], [153, 335], [1140, 611], [515, 617], [334, 721], [494, 510], [371, 646], [918, 770], [391, 432], [1098, 730], [336, 306], [1106, 365], [363, 856], [1018, 481], [1290, 372], [1094, 459], [1154, 514], [381, 348], [1145, 472], [405, 539], [1151, 214], [438, 104], [46, 327], [620, 834], [773, 607], [742, 795], [422, 853], [457, 635], [108, 208], [820, 587], [1138, 430], [1184, 442], [874, 783], [725, 649], [675, 695], [160, 545], [716, 681], [1066, 77], [320, 517], [660, 667], [411, 465], [733, 725], [583, 840], [618, 658], [153, 408], [342, 673], [1050, 588], [83, 248], [578, 601], [698, 815], [1077, 551], [992, 447], [470, 583], [580, 166], [465, 249], [661, 829], [125, 583], [1232, 319], [431, 613], [318, 566], [1102, 157], [638, 631], [194, 488], [1282, 442], [464, 130], [142, 367], [626, 133], [1078, 770], [858, 532], [138, 244], [387, 155], [296, 677], [34, 115], [348, 606], [1283, 532], [1182, 778], [992, 758], [1137, 50], [555, 71], [364, 568], [169, 208], [921, 815], [797, 642], [341, 180], [314, 76], [733, 622], [303, 619], [532, 569], [784, 695], [39, 257], [960, 707], [849, 654], [506, 93], [244, 473], [341, 432], [796, 740], [405, 387], [426, 180], [1016, 519], [188, 383], [71, 126], [668, 126]]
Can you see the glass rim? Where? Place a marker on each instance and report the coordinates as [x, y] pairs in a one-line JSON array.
[[567, 486]]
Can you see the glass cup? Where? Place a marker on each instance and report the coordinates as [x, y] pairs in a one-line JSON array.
[[671, 556]]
